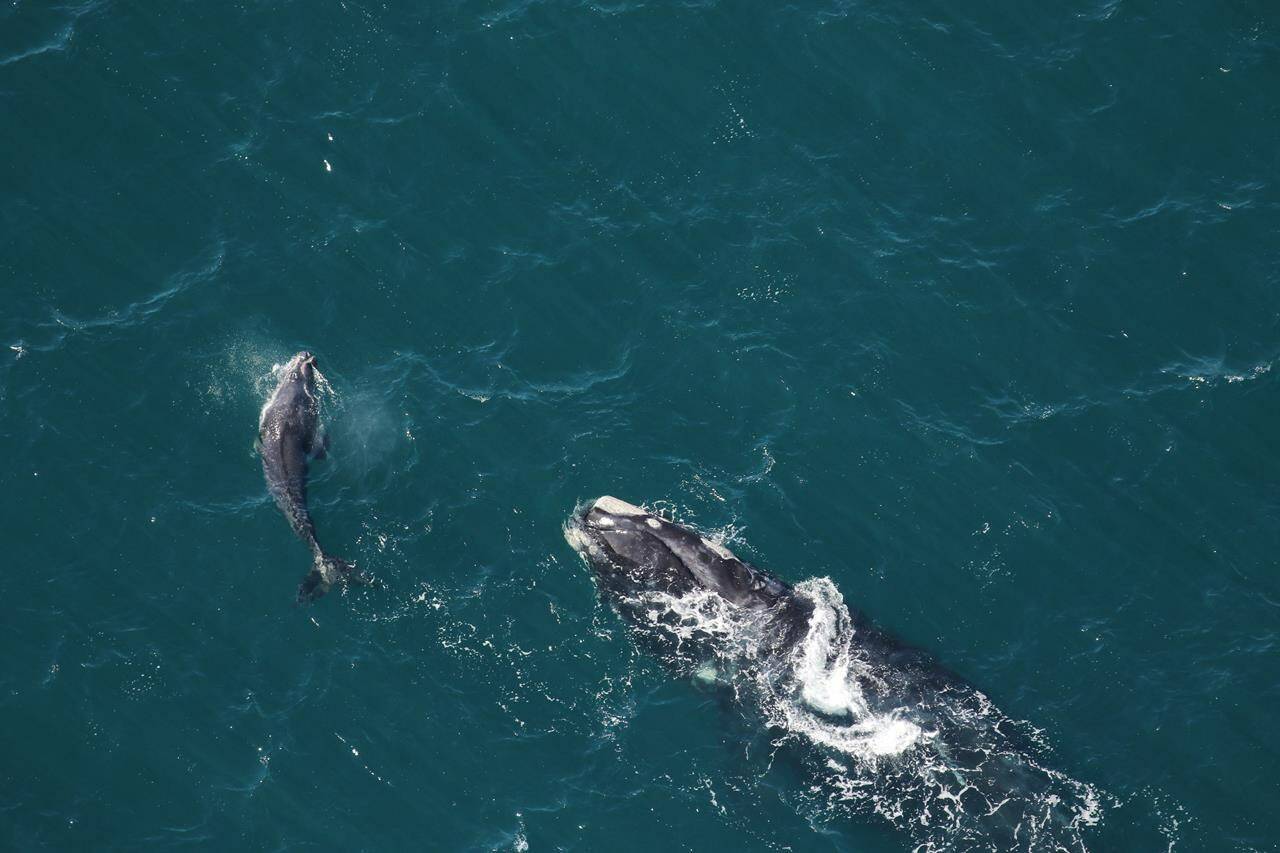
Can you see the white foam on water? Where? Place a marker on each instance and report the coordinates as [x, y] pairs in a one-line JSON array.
[[828, 706], [823, 658]]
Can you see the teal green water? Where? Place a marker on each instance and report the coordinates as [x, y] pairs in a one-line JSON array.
[[972, 310]]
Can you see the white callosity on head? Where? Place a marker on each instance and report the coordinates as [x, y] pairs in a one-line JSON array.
[[613, 506]]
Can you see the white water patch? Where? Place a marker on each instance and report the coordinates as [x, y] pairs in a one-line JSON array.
[[698, 615], [324, 390], [237, 373], [824, 659], [828, 706]]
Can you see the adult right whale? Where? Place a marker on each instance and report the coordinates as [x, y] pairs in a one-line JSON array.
[[884, 727]]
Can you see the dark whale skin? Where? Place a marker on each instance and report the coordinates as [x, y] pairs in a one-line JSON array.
[[289, 437]]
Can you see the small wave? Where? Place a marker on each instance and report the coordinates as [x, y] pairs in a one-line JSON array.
[[939, 425], [65, 326], [61, 39], [1210, 372], [57, 44]]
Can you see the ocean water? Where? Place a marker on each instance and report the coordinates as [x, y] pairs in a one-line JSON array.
[[966, 315]]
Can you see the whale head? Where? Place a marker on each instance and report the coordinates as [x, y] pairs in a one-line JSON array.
[[632, 550], [303, 367]]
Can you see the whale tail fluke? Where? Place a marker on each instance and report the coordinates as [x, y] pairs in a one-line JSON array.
[[326, 572]]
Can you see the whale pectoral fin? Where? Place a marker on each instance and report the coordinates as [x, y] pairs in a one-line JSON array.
[[320, 449]]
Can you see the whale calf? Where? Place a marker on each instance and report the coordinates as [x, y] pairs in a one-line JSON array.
[[289, 436], [886, 729]]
